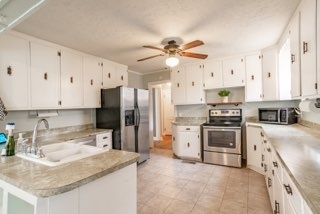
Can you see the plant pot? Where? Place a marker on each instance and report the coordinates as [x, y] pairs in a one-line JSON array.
[[225, 99]]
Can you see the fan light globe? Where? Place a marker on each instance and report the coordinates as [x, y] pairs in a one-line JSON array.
[[172, 61]]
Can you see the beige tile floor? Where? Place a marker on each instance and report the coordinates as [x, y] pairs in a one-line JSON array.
[[169, 185]]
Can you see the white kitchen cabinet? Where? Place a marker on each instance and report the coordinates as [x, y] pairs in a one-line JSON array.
[[92, 81], [253, 77], [71, 79], [45, 76], [308, 47], [270, 74], [194, 86], [254, 150], [121, 75], [233, 72], [178, 88], [114, 74], [186, 142], [278, 202], [14, 72], [108, 74], [212, 74], [294, 34]]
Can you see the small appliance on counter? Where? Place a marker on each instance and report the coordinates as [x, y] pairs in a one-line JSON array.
[[283, 116]]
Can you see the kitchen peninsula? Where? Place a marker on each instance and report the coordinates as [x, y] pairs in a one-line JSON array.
[[96, 184]]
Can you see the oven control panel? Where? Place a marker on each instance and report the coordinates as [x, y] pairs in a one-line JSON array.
[[224, 112]]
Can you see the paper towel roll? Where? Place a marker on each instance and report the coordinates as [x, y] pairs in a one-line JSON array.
[[305, 105]]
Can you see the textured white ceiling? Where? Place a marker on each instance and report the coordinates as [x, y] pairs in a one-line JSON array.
[[117, 29]]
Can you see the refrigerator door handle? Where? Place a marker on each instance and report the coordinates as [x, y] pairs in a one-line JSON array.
[[138, 116]]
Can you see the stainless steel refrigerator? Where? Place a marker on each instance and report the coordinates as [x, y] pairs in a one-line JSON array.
[[126, 111]]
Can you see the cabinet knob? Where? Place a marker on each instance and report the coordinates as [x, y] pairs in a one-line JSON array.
[[121, 77], [269, 74], [276, 207], [188, 144], [45, 76], [192, 83], [254, 147], [231, 71], [275, 164], [211, 74], [288, 189], [293, 58], [252, 77], [178, 85], [9, 70], [109, 75], [91, 82], [269, 182], [71, 79]]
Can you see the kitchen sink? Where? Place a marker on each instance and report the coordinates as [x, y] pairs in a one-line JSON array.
[[61, 153]]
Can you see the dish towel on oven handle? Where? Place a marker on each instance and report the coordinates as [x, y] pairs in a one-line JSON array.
[[3, 110]]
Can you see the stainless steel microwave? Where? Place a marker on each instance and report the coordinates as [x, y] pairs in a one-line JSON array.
[[277, 115]]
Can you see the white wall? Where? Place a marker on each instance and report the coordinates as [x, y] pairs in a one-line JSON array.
[[26, 120]]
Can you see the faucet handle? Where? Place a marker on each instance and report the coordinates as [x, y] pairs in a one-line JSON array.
[[40, 153]]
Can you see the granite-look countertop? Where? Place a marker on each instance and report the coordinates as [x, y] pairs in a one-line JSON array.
[[298, 147], [189, 121], [45, 181]]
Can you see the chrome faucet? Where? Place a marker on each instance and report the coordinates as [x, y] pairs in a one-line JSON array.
[[35, 148]]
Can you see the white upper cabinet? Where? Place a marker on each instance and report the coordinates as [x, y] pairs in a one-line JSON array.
[[114, 74], [45, 76], [308, 47], [294, 35], [212, 74], [178, 88], [71, 79], [253, 77], [270, 74], [92, 81], [14, 72], [121, 75], [194, 85], [233, 72]]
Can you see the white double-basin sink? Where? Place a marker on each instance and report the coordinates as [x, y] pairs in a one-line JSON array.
[[61, 153]]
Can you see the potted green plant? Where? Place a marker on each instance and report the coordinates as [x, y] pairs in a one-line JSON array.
[[224, 94]]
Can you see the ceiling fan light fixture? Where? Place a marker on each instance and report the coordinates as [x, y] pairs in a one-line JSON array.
[[172, 61]]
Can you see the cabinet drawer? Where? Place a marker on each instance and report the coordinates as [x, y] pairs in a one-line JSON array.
[[104, 140], [276, 165], [291, 193], [189, 128]]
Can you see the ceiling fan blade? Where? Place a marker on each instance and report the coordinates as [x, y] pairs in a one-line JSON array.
[[193, 44], [152, 47], [194, 55], [150, 57]]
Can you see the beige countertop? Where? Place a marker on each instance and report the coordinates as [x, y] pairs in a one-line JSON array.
[[298, 147], [45, 181]]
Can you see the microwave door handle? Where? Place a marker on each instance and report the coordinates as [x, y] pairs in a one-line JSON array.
[[279, 113]]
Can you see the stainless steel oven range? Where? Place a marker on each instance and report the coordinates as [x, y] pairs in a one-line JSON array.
[[222, 137]]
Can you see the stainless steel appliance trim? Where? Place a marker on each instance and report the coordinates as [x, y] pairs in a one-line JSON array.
[[236, 150], [225, 159]]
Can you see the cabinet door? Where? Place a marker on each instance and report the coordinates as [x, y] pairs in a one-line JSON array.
[[295, 56], [270, 74], [71, 79], [175, 140], [254, 152], [308, 48], [178, 89], [109, 78], [233, 72], [122, 75], [14, 58], [278, 205], [45, 76], [92, 81], [253, 78], [194, 85], [212, 74], [191, 145]]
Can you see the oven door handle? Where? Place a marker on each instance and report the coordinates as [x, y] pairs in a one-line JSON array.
[[219, 128]]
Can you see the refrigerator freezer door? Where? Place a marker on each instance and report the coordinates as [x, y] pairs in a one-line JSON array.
[[143, 124], [127, 131]]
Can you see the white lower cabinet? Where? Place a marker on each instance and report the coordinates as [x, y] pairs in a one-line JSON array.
[[114, 193], [186, 142], [284, 196], [254, 148]]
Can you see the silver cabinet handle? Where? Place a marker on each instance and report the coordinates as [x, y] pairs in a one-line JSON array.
[[288, 189], [305, 47]]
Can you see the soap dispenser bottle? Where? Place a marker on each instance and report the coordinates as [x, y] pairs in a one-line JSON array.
[[21, 143], [10, 146]]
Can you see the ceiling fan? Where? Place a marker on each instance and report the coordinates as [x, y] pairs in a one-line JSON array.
[[172, 49]]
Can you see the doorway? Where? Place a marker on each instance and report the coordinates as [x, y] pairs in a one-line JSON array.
[[161, 114]]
